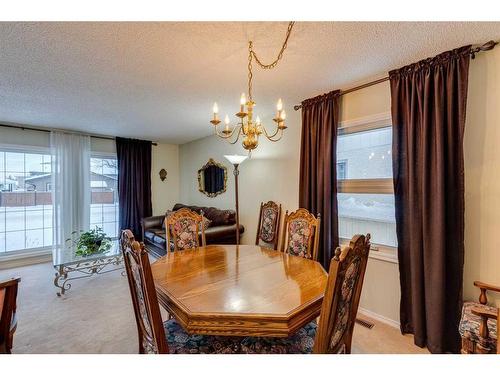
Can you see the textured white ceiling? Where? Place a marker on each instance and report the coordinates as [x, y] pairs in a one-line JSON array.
[[159, 80]]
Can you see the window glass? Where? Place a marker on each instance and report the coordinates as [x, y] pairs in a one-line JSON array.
[[25, 201], [366, 154], [368, 213], [104, 194]]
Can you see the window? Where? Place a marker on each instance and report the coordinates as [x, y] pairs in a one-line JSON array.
[[104, 194], [341, 169], [366, 198], [25, 203]]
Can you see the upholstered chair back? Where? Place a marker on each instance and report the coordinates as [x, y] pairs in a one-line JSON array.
[[269, 224], [343, 290], [183, 228], [150, 329], [301, 234]]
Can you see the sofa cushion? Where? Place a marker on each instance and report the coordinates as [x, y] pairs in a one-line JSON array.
[[215, 215], [149, 234]]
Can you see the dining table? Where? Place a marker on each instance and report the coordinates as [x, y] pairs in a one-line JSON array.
[[239, 290]]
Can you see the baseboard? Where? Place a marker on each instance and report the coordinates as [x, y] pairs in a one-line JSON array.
[[378, 317], [26, 259]]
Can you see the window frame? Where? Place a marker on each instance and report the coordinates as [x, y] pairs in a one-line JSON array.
[[372, 185], [106, 155], [26, 149]]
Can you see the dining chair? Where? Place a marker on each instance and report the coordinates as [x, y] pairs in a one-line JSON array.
[[479, 323], [8, 320], [269, 225], [182, 229], [301, 234], [333, 335]]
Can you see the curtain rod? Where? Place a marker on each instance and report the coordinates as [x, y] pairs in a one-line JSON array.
[[485, 47], [22, 127]]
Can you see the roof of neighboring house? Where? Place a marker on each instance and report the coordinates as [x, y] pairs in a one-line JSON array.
[[7, 181], [38, 177], [33, 178]]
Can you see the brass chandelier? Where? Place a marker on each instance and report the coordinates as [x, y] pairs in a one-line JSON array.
[[248, 128]]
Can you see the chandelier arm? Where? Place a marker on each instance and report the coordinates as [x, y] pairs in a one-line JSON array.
[[276, 139], [237, 137], [267, 134], [223, 136]]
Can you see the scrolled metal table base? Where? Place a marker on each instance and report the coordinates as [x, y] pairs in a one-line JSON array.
[[85, 268]]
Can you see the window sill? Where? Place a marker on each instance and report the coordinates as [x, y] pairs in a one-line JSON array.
[[24, 258], [386, 256], [379, 252]]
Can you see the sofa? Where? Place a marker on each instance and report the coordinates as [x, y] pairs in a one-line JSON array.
[[221, 230]]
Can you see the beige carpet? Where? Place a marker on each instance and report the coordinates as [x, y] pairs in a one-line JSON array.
[[96, 316]]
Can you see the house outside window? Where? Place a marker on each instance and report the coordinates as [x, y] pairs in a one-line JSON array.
[[104, 193], [25, 204], [341, 169], [365, 189]]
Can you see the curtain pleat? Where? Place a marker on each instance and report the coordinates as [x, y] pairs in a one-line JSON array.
[[318, 160], [134, 183], [70, 186], [428, 113]]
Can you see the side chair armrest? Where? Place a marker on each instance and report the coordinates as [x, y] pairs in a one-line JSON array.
[[484, 315], [484, 287]]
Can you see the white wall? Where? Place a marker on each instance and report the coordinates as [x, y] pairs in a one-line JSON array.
[[164, 194], [272, 173], [482, 175]]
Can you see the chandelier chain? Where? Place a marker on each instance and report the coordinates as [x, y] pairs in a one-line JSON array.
[[252, 55]]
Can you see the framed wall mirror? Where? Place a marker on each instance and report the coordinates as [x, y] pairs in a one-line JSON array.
[[212, 178]]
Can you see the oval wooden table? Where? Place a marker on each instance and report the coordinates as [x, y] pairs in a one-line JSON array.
[[239, 290]]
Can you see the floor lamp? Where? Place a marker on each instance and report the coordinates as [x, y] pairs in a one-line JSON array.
[[236, 160]]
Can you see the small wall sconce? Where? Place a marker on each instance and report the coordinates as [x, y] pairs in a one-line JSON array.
[[163, 174]]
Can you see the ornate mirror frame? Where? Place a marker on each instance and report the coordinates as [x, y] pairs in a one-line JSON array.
[[201, 185]]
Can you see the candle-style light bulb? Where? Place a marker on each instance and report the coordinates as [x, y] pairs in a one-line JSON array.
[[215, 110], [226, 121], [279, 106], [243, 101], [283, 115], [257, 120]]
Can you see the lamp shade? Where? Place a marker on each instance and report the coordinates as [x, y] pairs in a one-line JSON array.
[[236, 159]]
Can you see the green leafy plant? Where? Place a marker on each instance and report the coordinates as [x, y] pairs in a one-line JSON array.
[[91, 242]]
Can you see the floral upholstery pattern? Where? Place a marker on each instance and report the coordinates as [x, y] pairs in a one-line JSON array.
[[148, 344], [206, 222], [347, 289], [469, 324], [268, 227], [180, 342], [299, 235], [185, 231]]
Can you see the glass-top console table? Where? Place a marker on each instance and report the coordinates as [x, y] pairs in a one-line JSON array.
[[72, 267]]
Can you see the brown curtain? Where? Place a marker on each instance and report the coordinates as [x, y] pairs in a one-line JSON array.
[[318, 181], [428, 113], [134, 183]]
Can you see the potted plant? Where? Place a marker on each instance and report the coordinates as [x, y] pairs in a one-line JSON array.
[[93, 241]]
